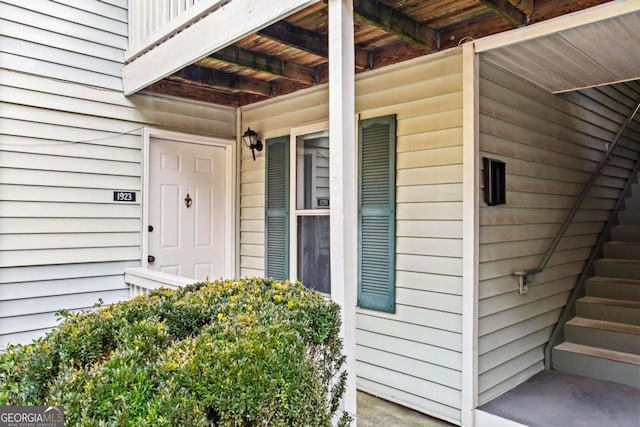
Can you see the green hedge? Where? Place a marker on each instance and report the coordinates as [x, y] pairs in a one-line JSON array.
[[249, 352]]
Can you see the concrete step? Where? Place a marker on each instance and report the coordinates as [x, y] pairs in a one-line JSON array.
[[603, 334], [629, 217], [598, 363], [628, 250], [608, 287], [615, 267], [625, 233], [611, 310]]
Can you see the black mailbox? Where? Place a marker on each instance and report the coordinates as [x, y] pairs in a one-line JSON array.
[[495, 192]]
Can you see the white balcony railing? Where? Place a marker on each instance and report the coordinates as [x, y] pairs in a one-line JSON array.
[[153, 21], [142, 281], [167, 35]]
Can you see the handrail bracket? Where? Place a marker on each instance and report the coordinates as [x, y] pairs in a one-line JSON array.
[[524, 278]]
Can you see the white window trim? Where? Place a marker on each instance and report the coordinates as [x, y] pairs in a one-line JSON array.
[[230, 188], [294, 212]]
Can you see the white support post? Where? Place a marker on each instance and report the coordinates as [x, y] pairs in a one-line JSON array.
[[470, 230], [342, 182]]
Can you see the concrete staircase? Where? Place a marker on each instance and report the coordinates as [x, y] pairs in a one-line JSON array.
[[603, 340]]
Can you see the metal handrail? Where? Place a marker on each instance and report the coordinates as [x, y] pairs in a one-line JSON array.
[[526, 276], [578, 291]]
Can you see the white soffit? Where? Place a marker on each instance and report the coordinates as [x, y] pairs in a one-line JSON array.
[[592, 54]]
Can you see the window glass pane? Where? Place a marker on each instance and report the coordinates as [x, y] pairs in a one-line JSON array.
[[312, 171], [313, 252]]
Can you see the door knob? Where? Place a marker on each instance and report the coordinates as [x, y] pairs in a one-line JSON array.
[[151, 258], [150, 228]]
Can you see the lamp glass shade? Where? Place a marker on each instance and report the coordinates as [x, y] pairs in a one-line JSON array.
[[250, 138]]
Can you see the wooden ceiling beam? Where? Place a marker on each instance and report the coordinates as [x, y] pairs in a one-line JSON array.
[[395, 22], [473, 30], [362, 59], [507, 10], [197, 93], [249, 98], [307, 40], [400, 51], [298, 37], [265, 63], [197, 74], [527, 6]]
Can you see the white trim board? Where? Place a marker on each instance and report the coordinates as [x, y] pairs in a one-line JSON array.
[[230, 189], [230, 23], [555, 25], [237, 177], [470, 232]]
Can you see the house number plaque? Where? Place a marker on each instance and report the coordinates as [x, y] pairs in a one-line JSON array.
[[124, 196]]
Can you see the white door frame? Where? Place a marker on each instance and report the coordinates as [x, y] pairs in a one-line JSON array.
[[230, 188]]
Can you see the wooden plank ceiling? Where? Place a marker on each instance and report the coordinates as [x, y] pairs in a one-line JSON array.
[[293, 54]]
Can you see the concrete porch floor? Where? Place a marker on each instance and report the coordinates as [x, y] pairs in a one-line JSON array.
[[375, 412], [553, 398]]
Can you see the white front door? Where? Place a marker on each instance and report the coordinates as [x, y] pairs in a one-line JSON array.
[[187, 235]]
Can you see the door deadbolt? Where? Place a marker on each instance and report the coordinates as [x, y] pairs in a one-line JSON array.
[[150, 228], [151, 258]]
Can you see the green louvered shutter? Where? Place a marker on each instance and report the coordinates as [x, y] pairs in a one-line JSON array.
[[277, 208], [376, 213]]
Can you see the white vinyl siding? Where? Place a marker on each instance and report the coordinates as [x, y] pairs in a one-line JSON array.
[[60, 40], [68, 139], [550, 145], [412, 357]]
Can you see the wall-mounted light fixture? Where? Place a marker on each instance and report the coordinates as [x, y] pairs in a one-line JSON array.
[[250, 139]]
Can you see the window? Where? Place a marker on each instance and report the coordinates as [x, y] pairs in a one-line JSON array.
[[301, 169], [310, 182]]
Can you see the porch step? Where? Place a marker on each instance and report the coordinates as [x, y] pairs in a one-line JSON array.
[[615, 267], [625, 233], [609, 309], [600, 333], [629, 217], [622, 250], [608, 287], [603, 340], [598, 363]]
